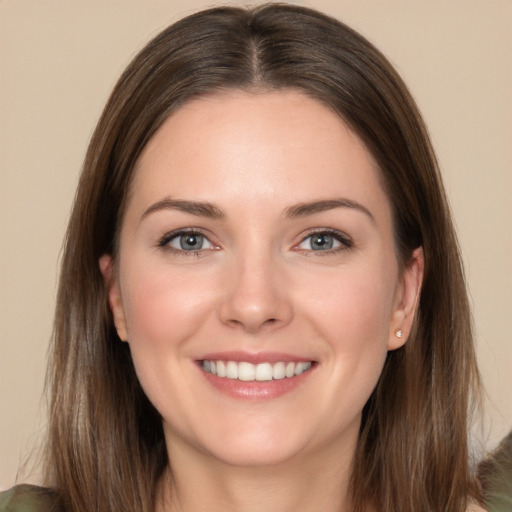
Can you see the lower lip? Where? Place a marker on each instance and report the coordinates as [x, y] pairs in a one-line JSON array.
[[256, 390]]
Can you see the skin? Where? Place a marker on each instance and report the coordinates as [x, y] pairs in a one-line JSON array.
[[258, 285]]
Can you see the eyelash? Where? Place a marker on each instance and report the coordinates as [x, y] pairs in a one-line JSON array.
[[168, 237], [343, 239]]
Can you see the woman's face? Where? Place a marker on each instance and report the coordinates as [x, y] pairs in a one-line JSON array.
[[258, 241]]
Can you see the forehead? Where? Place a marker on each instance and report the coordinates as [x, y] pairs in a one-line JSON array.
[[255, 145]]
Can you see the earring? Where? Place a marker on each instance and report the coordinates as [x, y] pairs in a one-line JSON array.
[[398, 333]]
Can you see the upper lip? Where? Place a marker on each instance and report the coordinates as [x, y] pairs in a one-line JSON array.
[[255, 357]]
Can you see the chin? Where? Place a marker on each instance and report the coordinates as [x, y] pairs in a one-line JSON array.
[[255, 444], [254, 456]]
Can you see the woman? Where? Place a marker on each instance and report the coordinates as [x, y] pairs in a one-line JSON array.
[[253, 310]]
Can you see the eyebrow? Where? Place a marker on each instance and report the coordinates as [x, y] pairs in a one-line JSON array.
[[209, 210], [199, 208], [304, 209]]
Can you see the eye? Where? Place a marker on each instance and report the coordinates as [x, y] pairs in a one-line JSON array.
[[188, 241], [323, 241]]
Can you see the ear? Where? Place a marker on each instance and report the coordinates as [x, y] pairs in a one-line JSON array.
[[407, 300], [114, 295]]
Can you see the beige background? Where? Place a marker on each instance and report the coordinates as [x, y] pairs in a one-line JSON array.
[[58, 62]]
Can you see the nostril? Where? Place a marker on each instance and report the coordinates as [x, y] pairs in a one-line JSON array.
[[253, 327]]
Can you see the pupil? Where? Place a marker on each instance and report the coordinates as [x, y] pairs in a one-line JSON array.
[[322, 242], [191, 242]]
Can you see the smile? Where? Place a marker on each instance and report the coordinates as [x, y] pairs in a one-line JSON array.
[[249, 372]]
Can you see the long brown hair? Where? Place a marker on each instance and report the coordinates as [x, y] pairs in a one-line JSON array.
[[106, 449]]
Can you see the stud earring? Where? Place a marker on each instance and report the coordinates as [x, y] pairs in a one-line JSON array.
[[398, 333]]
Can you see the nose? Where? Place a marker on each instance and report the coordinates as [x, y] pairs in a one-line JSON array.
[[255, 297]]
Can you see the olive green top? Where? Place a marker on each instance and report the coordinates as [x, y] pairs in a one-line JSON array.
[[496, 477], [30, 498]]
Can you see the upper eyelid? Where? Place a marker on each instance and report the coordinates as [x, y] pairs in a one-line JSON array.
[[330, 231], [181, 231], [341, 236]]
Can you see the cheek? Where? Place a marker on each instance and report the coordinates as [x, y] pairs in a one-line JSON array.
[[352, 315], [164, 311], [162, 307], [356, 303]]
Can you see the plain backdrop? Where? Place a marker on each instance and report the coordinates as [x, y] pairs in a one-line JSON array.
[[58, 63]]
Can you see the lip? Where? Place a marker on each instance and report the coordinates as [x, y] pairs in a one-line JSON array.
[[255, 357], [255, 390]]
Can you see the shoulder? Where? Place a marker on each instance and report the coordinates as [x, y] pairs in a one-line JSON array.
[[495, 475], [475, 508], [30, 498]]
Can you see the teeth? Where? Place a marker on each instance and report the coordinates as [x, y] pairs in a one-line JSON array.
[[290, 370], [249, 372], [221, 369], [279, 371], [232, 370], [300, 368], [246, 371], [264, 371]]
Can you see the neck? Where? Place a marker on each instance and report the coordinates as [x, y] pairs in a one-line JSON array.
[[302, 484]]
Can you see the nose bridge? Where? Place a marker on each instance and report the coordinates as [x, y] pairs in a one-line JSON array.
[[255, 297]]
